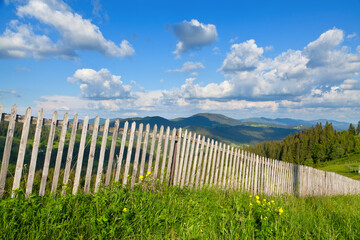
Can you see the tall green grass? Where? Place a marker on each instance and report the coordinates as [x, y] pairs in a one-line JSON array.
[[148, 212]]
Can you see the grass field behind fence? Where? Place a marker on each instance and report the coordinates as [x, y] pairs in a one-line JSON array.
[[173, 213]]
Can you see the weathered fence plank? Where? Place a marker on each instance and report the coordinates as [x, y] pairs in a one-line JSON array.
[[59, 153], [137, 156], [129, 152], [198, 173], [34, 153], [22, 149], [80, 155], [206, 163], [142, 164], [171, 155], [180, 169], [152, 148], [102, 155], [48, 155], [177, 160], [158, 151], [183, 173], [70, 152], [121, 153], [112, 152], [166, 146]]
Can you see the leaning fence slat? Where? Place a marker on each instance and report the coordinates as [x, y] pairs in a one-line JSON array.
[[166, 146], [34, 152], [198, 173], [217, 164], [80, 155], [218, 182], [190, 162], [59, 153], [90, 164], [206, 163], [158, 151], [195, 162], [128, 155], [178, 181], [121, 154], [112, 153], [7, 150], [226, 166], [213, 164], [22, 149], [183, 173], [233, 165], [142, 164], [171, 153], [152, 148], [48, 155], [177, 161], [238, 173], [102, 155], [209, 162], [70, 152], [137, 155]]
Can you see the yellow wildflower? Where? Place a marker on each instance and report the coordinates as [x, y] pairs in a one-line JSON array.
[[201, 230], [257, 197], [258, 202], [141, 177], [250, 204], [268, 203], [264, 200], [280, 211], [148, 173], [250, 196], [125, 210], [272, 201]]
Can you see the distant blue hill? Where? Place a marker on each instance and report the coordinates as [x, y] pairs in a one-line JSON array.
[[230, 130]]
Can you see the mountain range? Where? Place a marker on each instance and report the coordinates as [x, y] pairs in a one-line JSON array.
[[230, 130]]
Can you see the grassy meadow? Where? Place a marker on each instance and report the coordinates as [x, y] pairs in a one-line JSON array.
[[148, 212]]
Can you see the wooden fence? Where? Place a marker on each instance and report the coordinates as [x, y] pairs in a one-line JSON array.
[[176, 157]]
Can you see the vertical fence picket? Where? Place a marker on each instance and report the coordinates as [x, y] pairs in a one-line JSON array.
[[152, 148], [158, 151], [166, 146], [213, 164], [137, 155], [102, 155], [129, 152], [22, 149], [186, 157], [171, 155], [70, 152], [34, 153], [90, 164], [193, 173], [200, 162], [190, 162], [206, 163], [177, 161], [181, 161], [225, 166], [59, 153], [80, 155], [217, 168], [232, 180], [121, 153], [48, 155], [143, 156], [7, 150], [112, 152]]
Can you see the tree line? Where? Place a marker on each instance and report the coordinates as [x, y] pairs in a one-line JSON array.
[[313, 145]]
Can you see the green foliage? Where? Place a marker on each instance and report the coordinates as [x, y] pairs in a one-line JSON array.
[[311, 146], [173, 213]]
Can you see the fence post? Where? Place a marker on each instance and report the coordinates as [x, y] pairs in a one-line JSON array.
[[173, 163]]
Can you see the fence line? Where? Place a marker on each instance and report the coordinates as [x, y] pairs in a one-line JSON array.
[[182, 158]]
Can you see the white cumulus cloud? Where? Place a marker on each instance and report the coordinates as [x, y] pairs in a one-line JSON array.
[[76, 33], [193, 35], [188, 67], [100, 84]]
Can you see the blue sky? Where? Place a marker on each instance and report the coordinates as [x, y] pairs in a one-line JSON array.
[[297, 59]]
